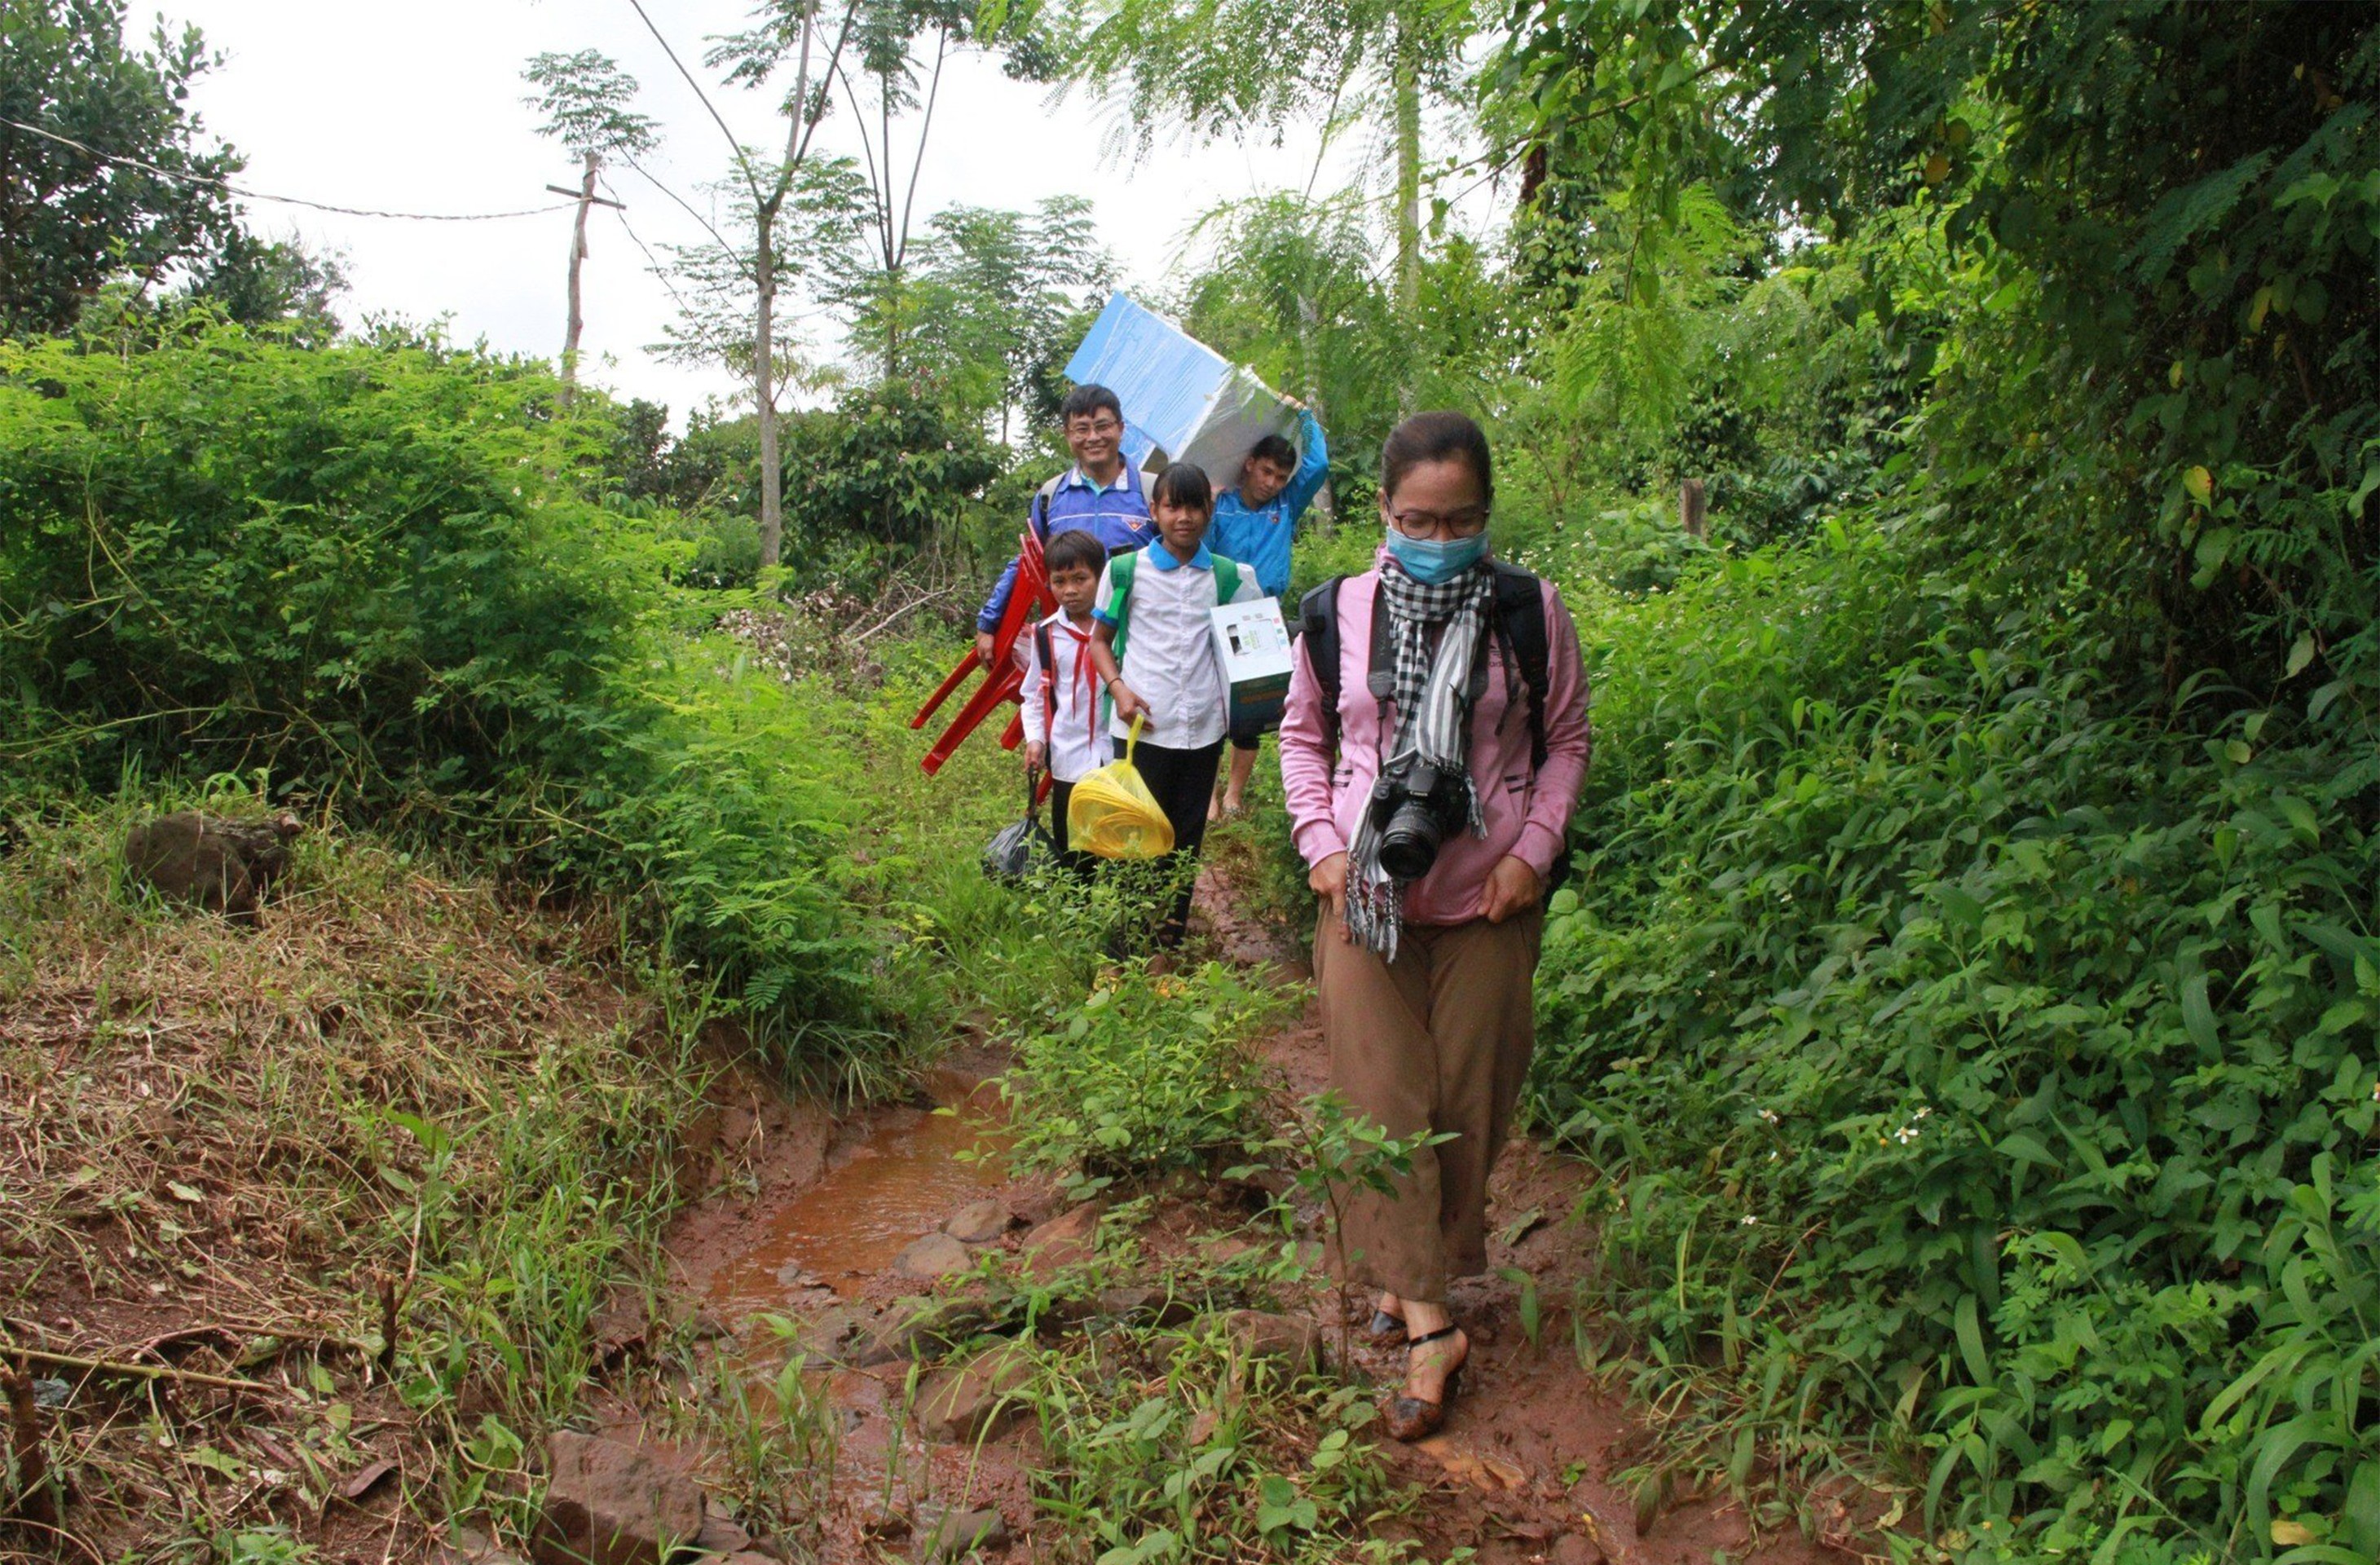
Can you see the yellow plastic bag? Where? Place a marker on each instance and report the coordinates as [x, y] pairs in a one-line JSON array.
[[1112, 813]]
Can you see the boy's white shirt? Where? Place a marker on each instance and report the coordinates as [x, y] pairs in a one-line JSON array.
[[1169, 652], [1077, 748]]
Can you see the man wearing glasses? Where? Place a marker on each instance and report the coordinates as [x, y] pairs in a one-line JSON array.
[[1101, 493]]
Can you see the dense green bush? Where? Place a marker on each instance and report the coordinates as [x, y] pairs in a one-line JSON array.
[[1990, 1062], [350, 567], [363, 574]]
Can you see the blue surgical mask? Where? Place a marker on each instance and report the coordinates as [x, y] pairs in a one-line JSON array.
[[1433, 560]]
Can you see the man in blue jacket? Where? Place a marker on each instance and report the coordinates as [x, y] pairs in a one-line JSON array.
[[1101, 493], [1254, 524]]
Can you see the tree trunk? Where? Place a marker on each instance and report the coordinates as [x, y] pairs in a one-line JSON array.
[[577, 256], [1309, 323], [1406, 74], [764, 391]]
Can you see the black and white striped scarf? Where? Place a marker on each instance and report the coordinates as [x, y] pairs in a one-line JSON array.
[[1431, 692]]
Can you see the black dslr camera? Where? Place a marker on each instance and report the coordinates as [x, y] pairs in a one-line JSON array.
[[1414, 807]]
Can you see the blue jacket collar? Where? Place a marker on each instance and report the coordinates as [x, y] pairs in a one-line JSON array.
[[1077, 479], [1164, 559]]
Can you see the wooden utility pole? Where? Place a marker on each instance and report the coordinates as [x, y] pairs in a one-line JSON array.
[[585, 197]]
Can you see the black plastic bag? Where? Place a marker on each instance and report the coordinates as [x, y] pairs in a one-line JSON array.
[[1024, 848]]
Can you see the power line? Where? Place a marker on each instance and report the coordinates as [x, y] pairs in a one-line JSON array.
[[620, 209], [231, 188]]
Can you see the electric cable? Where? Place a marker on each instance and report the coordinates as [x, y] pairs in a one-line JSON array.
[[231, 188]]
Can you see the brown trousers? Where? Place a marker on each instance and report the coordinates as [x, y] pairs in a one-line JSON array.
[[1437, 1040]]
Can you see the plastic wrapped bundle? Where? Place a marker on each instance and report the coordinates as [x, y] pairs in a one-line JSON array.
[[1183, 401]]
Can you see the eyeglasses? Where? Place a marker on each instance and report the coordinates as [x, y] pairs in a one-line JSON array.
[[1082, 427], [1469, 522]]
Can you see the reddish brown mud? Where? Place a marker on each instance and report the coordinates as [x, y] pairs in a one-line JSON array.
[[1540, 1457]]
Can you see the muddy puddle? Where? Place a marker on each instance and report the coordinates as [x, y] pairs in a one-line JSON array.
[[916, 1168]]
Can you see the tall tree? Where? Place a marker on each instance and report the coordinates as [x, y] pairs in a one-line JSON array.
[[585, 99], [809, 236], [808, 36], [994, 297], [887, 55], [128, 192], [1225, 66]]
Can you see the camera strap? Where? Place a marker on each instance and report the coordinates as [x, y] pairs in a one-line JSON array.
[[1518, 625]]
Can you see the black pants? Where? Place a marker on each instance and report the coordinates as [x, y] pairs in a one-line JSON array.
[[1078, 865], [1182, 780]]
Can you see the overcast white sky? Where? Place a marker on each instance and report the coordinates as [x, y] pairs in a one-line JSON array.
[[418, 108]]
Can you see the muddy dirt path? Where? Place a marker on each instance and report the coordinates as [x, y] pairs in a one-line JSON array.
[[838, 1227]]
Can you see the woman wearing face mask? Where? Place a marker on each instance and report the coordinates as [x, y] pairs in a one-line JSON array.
[[1430, 814]]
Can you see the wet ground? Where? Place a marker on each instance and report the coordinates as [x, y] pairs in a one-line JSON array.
[[1540, 1460], [916, 1167]]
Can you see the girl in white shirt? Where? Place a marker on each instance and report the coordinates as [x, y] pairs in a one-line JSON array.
[[1158, 606]]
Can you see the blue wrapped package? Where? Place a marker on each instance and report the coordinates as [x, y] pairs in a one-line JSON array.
[[1183, 401]]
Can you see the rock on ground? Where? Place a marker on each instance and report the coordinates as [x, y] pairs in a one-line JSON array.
[[935, 1255], [1261, 1335], [980, 1223], [226, 867], [1065, 1240], [608, 1503], [960, 1532], [976, 1400], [1572, 1550], [911, 1325]]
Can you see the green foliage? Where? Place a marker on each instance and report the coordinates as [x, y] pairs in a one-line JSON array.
[[996, 302], [1149, 1076], [1971, 977], [1212, 1461], [350, 567], [362, 572], [889, 472], [1977, 1055], [69, 221], [584, 100], [2172, 203], [883, 471]]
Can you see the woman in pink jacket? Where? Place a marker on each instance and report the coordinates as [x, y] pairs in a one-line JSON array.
[[1430, 809]]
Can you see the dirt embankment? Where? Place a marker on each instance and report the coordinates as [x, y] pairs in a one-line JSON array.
[[261, 1307]]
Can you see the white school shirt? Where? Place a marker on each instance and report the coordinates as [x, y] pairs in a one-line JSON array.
[[1169, 649], [1076, 746]]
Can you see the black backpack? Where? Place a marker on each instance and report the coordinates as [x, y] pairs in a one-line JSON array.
[[1517, 618]]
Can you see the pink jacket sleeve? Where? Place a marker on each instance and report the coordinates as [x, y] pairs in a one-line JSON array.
[[1569, 742], [1306, 759]]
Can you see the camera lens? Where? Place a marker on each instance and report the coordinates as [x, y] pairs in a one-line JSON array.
[[1409, 841]]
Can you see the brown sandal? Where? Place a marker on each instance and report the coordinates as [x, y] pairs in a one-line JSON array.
[[1410, 1418]]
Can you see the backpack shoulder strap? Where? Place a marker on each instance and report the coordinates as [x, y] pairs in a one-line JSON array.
[[1521, 622], [1227, 579], [1120, 570], [1041, 646], [1317, 624], [1040, 514]]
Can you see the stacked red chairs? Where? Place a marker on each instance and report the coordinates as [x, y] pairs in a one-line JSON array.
[[1004, 680]]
